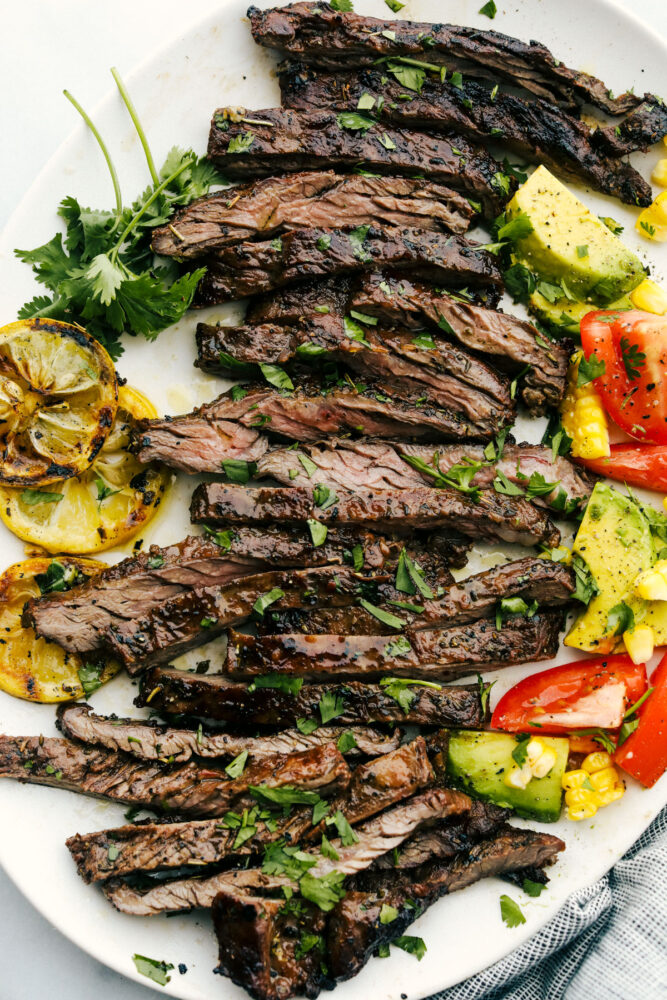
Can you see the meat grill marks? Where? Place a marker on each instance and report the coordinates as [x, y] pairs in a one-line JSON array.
[[203, 440], [306, 254], [175, 692], [353, 464], [150, 740], [80, 618], [645, 126], [441, 372], [533, 579], [492, 516], [314, 33], [153, 846], [293, 141], [190, 789], [428, 654], [537, 130], [399, 303], [355, 931], [315, 198]]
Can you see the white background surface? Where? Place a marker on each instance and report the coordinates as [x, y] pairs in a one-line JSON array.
[[48, 45]]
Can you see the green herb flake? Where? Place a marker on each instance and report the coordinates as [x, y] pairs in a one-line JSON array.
[[331, 705], [532, 888], [388, 914], [589, 368], [241, 143], [511, 912], [266, 600], [318, 532], [238, 471], [33, 497], [489, 9], [149, 967], [354, 122], [90, 677], [236, 767], [413, 945], [346, 741], [276, 376], [307, 726], [382, 616]]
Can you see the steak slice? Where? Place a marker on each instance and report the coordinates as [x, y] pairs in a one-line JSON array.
[[79, 618], [537, 130], [645, 126], [194, 618], [199, 441], [531, 578], [290, 141], [303, 254], [191, 789], [353, 464], [505, 340], [288, 306], [175, 692], [315, 33], [355, 930], [315, 198], [440, 371], [150, 740], [492, 516], [433, 655]]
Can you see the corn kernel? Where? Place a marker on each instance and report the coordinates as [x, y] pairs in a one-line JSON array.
[[652, 583], [640, 643], [582, 812], [519, 777], [579, 797], [611, 795], [650, 297], [574, 779], [605, 779], [659, 175], [652, 222], [583, 416], [596, 761]]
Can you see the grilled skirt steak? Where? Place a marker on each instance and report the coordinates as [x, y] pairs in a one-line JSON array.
[[440, 371], [150, 740], [505, 340], [476, 597], [306, 254], [80, 618], [200, 441], [315, 33], [190, 789], [294, 141], [175, 692], [537, 130], [355, 930], [433, 655], [492, 516], [643, 128], [316, 198]]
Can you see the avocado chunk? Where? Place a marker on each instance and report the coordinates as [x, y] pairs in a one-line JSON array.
[[565, 314], [478, 762], [614, 540], [568, 243]]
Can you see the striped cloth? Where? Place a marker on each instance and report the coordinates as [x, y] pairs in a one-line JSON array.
[[609, 942]]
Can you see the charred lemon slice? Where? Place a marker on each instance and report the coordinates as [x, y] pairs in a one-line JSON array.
[[33, 668], [58, 398], [103, 506]]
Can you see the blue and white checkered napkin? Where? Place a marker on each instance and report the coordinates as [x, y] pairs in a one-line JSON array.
[[609, 942]]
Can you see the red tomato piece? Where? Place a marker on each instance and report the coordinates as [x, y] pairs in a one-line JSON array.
[[592, 693], [633, 347], [636, 464], [644, 753]]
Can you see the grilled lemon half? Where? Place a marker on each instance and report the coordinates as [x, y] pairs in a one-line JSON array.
[[33, 668], [103, 506], [58, 399]]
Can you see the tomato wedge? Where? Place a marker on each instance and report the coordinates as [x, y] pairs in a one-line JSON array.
[[644, 753], [636, 464], [592, 693], [633, 347]]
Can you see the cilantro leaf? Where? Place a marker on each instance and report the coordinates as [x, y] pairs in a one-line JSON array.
[[345, 831], [489, 9], [236, 767], [633, 359], [413, 945], [532, 888], [149, 967], [307, 726], [354, 122], [511, 912], [590, 368], [325, 892], [290, 685], [620, 619], [346, 741], [331, 706]]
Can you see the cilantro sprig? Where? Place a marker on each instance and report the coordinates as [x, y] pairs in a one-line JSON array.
[[102, 273]]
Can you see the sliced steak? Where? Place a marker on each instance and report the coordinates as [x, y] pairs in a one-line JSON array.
[[199, 441], [316, 198], [196, 617], [79, 618], [476, 597], [355, 929], [180, 894], [643, 128], [292, 141], [150, 740], [430, 654], [175, 692], [491, 516], [315, 33], [288, 306], [506, 340], [190, 789], [303, 254], [441, 372], [537, 130], [353, 464]]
